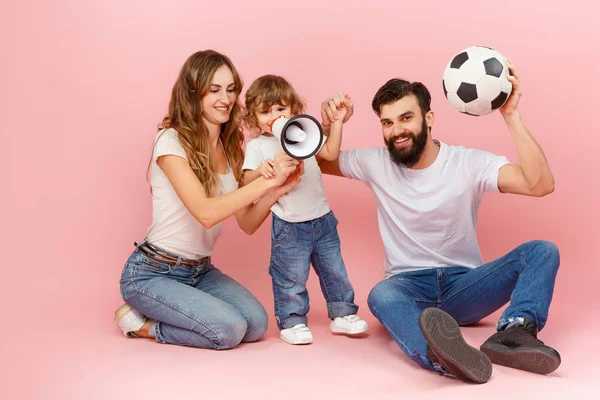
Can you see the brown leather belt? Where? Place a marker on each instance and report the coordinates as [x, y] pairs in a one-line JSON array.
[[160, 255]]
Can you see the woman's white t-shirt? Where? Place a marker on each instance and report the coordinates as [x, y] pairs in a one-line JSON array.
[[173, 227]]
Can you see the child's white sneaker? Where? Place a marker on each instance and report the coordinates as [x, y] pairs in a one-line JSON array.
[[349, 325], [298, 334], [129, 320]]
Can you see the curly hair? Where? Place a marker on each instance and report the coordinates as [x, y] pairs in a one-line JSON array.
[[265, 92]]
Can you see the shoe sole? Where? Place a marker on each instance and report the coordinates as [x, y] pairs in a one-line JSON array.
[[335, 329], [527, 359], [294, 343], [444, 337]]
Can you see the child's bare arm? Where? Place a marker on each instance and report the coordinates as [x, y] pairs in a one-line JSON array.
[[344, 108], [331, 149]]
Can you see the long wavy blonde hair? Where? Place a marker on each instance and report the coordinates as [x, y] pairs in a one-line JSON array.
[[185, 116]]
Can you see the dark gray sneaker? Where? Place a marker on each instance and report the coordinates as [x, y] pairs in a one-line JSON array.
[[518, 347], [448, 348]]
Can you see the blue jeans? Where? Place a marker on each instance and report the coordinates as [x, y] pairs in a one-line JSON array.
[[525, 276], [193, 305], [294, 246]]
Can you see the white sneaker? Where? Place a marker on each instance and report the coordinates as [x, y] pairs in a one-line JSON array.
[[349, 325], [129, 320], [298, 334]]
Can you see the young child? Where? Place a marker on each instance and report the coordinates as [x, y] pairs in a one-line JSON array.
[[304, 229]]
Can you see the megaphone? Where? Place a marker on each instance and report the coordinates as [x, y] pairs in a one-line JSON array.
[[301, 136]]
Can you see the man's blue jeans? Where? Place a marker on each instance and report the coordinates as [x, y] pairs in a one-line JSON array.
[[525, 276]]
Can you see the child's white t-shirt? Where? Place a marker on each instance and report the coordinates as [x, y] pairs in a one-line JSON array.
[[427, 217], [173, 227], [304, 202]]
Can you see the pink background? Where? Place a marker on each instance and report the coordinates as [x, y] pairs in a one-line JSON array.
[[82, 88]]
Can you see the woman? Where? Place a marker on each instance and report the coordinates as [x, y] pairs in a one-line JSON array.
[[173, 293]]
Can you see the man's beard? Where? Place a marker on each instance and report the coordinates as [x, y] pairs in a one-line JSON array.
[[408, 156]]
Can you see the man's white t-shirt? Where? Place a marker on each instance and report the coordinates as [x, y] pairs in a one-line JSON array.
[[304, 202], [173, 227], [428, 217]]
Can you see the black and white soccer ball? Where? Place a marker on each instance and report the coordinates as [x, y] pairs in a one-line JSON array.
[[475, 81]]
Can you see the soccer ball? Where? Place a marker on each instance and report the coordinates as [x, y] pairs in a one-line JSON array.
[[475, 81]]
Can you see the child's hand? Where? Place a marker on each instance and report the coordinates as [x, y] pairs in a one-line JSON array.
[[330, 109], [267, 170], [342, 113]]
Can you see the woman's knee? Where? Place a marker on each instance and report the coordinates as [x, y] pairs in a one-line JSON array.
[[230, 333], [258, 322]]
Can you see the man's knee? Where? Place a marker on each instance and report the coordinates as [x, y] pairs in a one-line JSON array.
[[546, 251], [385, 295], [551, 250], [377, 296]]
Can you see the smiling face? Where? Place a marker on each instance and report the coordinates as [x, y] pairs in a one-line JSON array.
[[220, 98], [405, 130]]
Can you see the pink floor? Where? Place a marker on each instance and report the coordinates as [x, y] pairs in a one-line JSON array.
[[74, 351]]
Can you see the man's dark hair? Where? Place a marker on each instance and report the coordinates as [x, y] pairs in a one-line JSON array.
[[395, 89]]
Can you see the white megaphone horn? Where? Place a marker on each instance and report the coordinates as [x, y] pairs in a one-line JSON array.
[[301, 136]]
